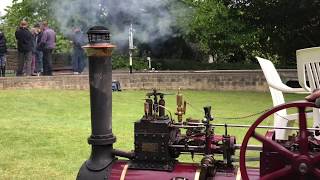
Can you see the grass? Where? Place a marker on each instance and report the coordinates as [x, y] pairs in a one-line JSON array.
[[44, 132]]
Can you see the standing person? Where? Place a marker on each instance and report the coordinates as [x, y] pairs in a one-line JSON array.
[[33, 62], [25, 44], [78, 55], [3, 52], [48, 43], [38, 51]]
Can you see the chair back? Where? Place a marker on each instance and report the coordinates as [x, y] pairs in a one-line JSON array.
[[272, 77], [308, 67]]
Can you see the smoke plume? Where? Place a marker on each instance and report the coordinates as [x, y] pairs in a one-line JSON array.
[[151, 19]]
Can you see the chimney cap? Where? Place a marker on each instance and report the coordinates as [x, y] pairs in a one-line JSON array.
[[98, 34]]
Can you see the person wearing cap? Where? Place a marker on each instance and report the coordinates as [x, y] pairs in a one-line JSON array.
[[25, 44], [48, 44]]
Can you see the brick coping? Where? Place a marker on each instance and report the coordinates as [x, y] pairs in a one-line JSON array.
[[239, 80]]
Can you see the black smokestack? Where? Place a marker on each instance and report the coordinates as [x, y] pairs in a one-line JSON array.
[[100, 78]]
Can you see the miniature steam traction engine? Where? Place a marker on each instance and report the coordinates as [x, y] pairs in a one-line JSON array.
[[159, 139]]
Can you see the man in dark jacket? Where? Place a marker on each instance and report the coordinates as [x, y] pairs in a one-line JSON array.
[[3, 52], [25, 44]]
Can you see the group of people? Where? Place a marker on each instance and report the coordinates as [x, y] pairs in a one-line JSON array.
[[35, 48]]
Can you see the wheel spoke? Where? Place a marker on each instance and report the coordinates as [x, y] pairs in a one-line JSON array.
[[316, 160], [303, 133], [274, 146], [303, 177], [316, 172], [279, 173]]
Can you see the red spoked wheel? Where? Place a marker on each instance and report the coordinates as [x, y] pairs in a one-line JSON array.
[[300, 163]]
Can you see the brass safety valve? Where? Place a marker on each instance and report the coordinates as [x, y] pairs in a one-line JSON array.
[[181, 107]]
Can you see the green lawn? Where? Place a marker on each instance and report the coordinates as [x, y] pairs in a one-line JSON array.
[[44, 132]]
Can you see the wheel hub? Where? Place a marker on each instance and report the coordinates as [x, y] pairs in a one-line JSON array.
[[303, 164], [303, 168]]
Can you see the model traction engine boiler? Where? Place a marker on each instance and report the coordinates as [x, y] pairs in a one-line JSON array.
[[159, 140]]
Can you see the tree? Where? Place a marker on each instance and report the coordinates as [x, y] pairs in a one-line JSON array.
[[152, 19], [34, 11], [219, 31], [285, 25]]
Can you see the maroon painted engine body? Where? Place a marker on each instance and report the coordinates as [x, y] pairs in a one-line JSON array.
[[182, 171], [159, 141]]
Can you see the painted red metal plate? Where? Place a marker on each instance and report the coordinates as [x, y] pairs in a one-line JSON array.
[[189, 171]]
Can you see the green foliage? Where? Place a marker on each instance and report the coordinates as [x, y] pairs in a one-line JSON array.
[[122, 62], [233, 31], [284, 26], [220, 32], [63, 44], [178, 64], [9, 33], [34, 11], [19, 10]]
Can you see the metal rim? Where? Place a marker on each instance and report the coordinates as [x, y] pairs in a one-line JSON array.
[[301, 162]]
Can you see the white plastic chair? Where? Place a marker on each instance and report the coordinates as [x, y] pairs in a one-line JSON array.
[[277, 88], [308, 66]]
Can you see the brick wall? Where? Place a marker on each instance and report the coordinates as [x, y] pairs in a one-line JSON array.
[[12, 58], [58, 60], [240, 80]]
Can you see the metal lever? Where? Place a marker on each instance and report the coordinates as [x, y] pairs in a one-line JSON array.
[[207, 113]]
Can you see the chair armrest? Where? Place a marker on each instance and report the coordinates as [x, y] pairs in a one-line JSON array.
[[286, 89], [304, 86]]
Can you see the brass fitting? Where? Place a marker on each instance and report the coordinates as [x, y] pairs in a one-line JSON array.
[[181, 106]]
